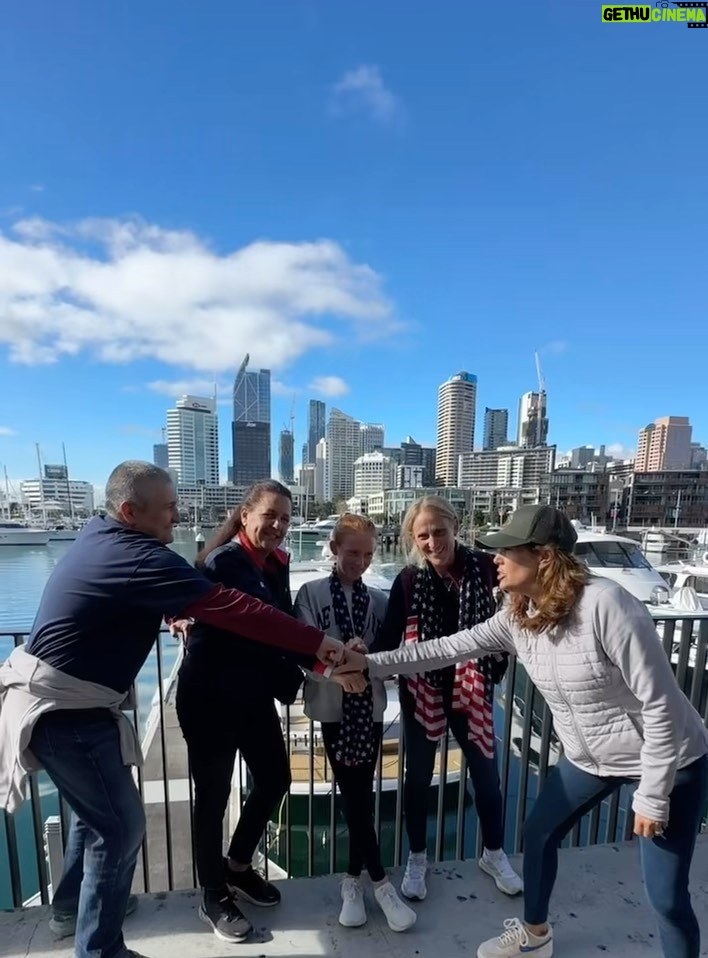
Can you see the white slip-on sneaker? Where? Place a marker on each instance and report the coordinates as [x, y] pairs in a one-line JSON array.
[[353, 913], [498, 866], [398, 915], [516, 941], [413, 885]]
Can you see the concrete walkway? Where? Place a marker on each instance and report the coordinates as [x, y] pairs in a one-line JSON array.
[[598, 909]]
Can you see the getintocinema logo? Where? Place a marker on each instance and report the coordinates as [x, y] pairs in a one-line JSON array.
[[694, 13]]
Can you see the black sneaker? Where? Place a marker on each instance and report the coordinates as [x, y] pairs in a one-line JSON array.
[[227, 921], [251, 886]]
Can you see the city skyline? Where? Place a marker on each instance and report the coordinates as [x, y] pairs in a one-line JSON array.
[[361, 225]]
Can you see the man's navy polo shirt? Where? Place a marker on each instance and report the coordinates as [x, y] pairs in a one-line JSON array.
[[104, 602]]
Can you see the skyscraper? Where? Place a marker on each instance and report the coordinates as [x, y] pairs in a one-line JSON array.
[[496, 428], [372, 437], [316, 423], [286, 459], [456, 413], [664, 444], [411, 452], [533, 420], [193, 441], [160, 455], [251, 425], [342, 449]]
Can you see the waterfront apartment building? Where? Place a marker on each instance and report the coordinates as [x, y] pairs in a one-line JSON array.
[[457, 398], [390, 505], [496, 428], [251, 425], [670, 498], [664, 445], [373, 472], [58, 495], [508, 467], [193, 441], [581, 494], [533, 420]]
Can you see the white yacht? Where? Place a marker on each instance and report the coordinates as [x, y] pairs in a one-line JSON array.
[[15, 534], [692, 574], [318, 531], [617, 558]]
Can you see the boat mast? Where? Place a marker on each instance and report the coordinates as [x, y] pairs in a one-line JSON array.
[[41, 487], [7, 494], [68, 485]]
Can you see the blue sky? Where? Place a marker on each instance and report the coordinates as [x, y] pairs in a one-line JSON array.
[[366, 196]]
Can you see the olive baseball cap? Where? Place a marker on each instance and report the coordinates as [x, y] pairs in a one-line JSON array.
[[534, 525]]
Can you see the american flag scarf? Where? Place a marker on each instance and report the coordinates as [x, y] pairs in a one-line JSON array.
[[473, 689]]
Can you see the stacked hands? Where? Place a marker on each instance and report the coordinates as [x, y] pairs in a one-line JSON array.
[[349, 660]]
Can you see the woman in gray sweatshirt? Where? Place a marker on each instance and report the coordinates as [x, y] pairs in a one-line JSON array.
[[351, 714], [592, 651]]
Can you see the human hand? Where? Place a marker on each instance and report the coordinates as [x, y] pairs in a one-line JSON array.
[[331, 651], [352, 661], [358, 645], [181, 628], [354, 682], [647, 827]]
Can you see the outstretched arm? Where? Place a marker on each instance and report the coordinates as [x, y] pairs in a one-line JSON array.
[[492, 636]]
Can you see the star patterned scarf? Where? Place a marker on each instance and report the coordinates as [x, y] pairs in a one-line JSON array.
[[356, 741]]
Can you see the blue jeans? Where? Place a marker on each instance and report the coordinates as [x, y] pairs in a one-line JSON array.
[[568, 794], [65, 900], [420, 765], [82, 756]]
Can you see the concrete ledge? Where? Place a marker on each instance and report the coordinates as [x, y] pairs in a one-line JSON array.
[[598, 909]]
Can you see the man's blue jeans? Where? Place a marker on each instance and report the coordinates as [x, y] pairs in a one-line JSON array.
[[568, 794], [82, 756]]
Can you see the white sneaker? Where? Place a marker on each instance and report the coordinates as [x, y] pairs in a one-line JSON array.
[[498, 866], [517, 940], [413, 884], [398, 915], [353, 913]]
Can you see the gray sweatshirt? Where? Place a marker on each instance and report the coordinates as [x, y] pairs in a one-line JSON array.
[[616, 706], [28, 689], [323, 698]]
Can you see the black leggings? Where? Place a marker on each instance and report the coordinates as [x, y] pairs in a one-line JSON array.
[[214, 733], [356, 787]]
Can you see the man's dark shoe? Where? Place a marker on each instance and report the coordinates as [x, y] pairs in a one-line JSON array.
[[63, 925], [226, 920], [251, 886]]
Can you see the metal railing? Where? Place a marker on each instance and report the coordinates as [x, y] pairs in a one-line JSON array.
[[308, 835]]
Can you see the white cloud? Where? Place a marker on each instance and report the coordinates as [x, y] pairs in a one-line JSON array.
[[123, 290], [37, 188], [186, 387], [329, 386], [7, 431], [555, 347], [279, 388], [619, 451], [363, 90]]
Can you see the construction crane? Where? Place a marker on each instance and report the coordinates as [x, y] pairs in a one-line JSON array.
[[541, 380]]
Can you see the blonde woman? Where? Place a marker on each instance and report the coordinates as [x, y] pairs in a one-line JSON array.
[[446, 587], [591, 648], [352, 723]]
